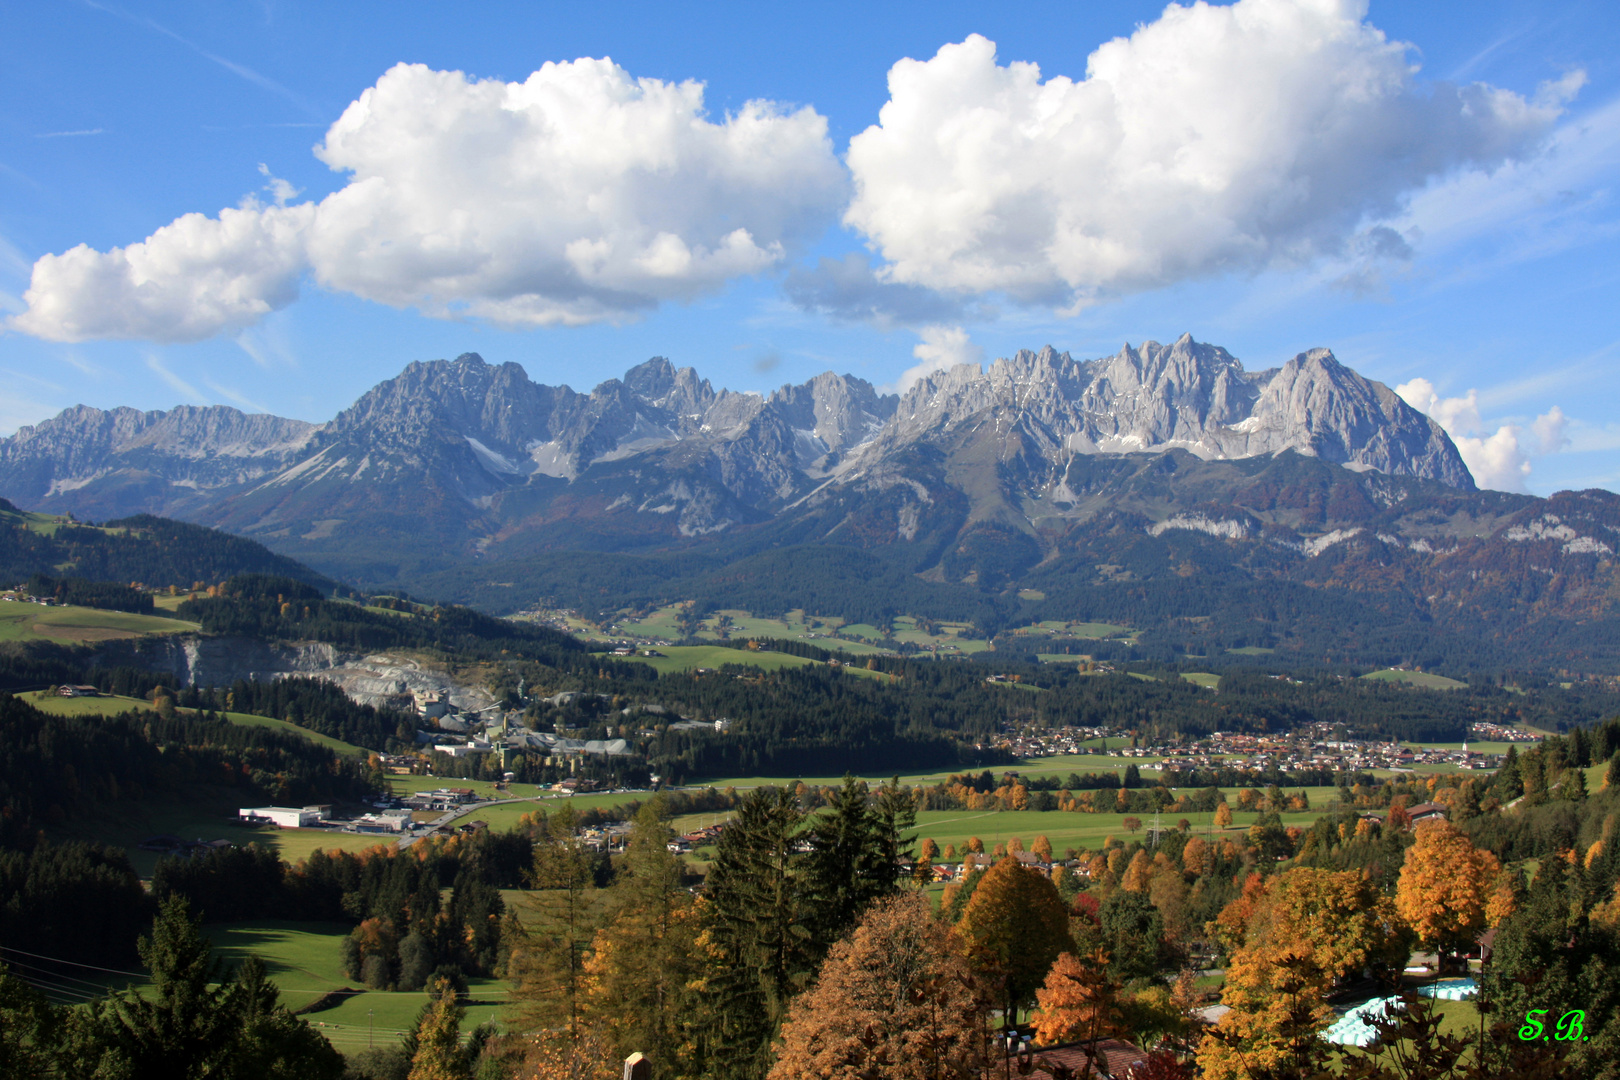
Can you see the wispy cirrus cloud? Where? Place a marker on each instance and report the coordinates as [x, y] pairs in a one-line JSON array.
[[242, 71], [70, 134], [180, 386]]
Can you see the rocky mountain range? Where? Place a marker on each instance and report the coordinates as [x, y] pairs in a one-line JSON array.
[[488, 455], [1042, 473]]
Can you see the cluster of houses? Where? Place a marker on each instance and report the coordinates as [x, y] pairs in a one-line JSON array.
[[20, 595], [697, 838], [1313, 746], [1050, 743]]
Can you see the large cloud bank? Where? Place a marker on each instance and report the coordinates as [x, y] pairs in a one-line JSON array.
[[579, 195], [1268, 132], [1499, 459]]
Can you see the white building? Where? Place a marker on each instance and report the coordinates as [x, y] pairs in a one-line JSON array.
[[285, 816]]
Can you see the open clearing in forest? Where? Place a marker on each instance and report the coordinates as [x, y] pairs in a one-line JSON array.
[[1420, 679], [21, 621], [304, 960]]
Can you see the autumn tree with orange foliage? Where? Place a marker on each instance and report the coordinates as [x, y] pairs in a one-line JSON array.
[[1301, 932], [1013, 929], [1078, 1002], [1445, 886], [1223, 816], [891, 1000]]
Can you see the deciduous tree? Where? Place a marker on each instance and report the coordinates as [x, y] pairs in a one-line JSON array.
[[438, 1053], [891, 1001], [1444, 887], [1013, 928], [1309, 928], [1078, 1001]]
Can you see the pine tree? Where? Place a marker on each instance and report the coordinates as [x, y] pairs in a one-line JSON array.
[[272, 1043], [757, 913]]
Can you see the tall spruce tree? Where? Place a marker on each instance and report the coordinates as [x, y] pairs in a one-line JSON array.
[[757, 915]]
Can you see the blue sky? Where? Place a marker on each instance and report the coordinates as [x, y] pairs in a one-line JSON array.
[[1270, 177]]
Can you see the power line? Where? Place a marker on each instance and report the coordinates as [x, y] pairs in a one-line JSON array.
[[74, 963]]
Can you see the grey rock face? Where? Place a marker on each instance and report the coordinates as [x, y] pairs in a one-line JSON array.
[[108, 463], [486, 454], [1192, 396]]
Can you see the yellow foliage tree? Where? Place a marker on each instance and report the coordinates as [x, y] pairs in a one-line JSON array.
[[1444, 886], [438, 1038], [1307, 929], [1140, 872], [1223, 816], [975, 845], [1042, 849], [1504, 897], [1195, 857]]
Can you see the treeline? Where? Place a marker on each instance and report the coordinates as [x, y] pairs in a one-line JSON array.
[[76, 902], [279, 608], [155, 551], [57, 769], [107, 595], [310, 703]]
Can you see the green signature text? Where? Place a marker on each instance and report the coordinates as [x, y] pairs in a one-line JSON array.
[[1568, 1028]]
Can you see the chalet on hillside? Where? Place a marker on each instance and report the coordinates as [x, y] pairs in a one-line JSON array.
[[78, 691], [1425, 812]]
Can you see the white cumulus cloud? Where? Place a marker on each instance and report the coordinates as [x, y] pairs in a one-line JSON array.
[[941, 348], [1500, 459], [1266, 132], [579, 195]]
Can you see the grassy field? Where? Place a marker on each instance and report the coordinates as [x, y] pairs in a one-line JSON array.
[[679, 658], [303, 960], [1059, 628], [1058, 764], [1202, 678], [1086, 831], [1420, 679], [32, 622]]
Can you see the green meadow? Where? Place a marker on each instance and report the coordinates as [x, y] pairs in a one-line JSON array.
[[303, 960], [1420, 679], [33, 622]]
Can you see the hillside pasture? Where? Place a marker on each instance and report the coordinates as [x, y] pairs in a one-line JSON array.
[[1422, 680], [680, 658], [304, 960], [20, 621]]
